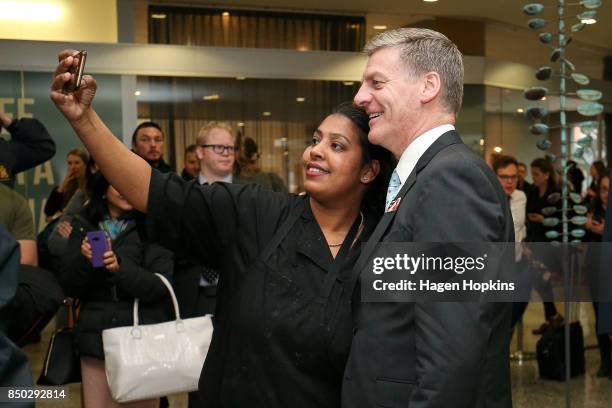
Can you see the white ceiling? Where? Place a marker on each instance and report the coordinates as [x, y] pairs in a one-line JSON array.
[[506, 11]]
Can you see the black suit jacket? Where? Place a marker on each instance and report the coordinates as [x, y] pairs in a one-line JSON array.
[[421, 355]]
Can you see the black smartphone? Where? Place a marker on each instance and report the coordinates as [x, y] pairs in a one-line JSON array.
[[77, 72]]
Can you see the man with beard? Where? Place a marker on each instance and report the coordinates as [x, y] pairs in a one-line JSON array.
[[148, 143]]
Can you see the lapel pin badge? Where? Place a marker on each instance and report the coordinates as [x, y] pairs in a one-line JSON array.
[[394, 205]]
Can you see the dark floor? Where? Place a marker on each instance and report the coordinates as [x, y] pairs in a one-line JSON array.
[[528, 390]]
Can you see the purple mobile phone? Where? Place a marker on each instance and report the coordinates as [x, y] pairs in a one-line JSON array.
[[97, 241]]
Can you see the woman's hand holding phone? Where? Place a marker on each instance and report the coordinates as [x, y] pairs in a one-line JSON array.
[[74, 104], [111, 263], [109, 259]]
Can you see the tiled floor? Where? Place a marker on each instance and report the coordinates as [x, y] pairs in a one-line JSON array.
[[528, 390]]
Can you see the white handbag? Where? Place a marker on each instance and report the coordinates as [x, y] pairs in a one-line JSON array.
[[153, 360]]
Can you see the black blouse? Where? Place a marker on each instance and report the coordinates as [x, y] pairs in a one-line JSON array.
[[281, 339]]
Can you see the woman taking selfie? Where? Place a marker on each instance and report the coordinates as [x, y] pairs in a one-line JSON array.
[[283, 325]]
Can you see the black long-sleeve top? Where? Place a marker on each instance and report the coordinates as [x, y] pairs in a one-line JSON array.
[[30, 145], [280, 338]]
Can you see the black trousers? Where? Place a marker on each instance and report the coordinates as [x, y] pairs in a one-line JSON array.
[[604, 343]]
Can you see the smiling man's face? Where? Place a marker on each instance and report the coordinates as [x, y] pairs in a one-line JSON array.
[[390, 95]]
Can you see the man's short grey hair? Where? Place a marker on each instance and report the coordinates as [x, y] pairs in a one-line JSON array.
[[205, 130], [423, 50]]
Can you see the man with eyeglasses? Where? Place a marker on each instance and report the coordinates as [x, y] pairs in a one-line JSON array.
[[506, 169], [148, 143], [216, 151], [196, 285]]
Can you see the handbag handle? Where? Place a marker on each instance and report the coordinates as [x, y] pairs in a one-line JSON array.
[[135, 329]]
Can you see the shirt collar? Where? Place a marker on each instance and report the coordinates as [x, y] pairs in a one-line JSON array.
[[417, 148], [226, 179]]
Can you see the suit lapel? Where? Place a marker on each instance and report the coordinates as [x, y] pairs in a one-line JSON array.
[[447, 139]]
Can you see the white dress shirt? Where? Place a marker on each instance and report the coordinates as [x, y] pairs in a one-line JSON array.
[[518, 203], [202, 180], [416, 149]]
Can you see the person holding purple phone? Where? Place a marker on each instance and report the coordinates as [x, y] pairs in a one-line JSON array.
[[107, 286]]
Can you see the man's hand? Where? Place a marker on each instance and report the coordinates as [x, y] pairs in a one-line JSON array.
[[73, 105]]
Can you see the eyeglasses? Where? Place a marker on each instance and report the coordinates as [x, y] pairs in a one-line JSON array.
[[508, 178], [220, 149]]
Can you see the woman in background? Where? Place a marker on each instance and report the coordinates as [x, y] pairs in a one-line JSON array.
[[596, 221], [597, 170], [249, 170], [57, 240], [544, 184], [107, 294], [75, 179]]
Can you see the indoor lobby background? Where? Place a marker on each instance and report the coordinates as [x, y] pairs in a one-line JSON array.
[[273, 69]]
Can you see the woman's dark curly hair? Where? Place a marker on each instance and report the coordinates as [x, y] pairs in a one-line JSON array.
[[374, 199]]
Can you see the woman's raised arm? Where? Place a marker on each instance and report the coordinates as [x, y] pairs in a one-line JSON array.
[[125, 170]]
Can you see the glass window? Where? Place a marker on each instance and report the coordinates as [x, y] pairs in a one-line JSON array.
[[255, 29]]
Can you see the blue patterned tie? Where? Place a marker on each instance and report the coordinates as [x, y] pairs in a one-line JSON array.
[[394, 186]]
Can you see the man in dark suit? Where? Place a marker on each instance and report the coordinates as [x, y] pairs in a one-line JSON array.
[[428, 354]]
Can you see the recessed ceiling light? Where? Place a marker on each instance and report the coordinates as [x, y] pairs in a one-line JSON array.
[[137, 93], [430, 1], [30, 11], [497, 149], [240, 78], [588, 21], [158, 16], [348, 83], [300, 99], [380, 27], [519, 110], [225, 14], [267, 113], [212, 97]]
